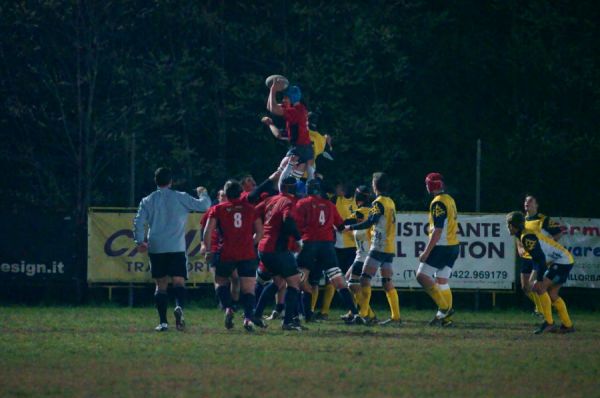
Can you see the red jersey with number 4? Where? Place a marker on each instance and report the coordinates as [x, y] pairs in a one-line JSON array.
[[274, 211], [235, 220], [316, 218], [296, 124]]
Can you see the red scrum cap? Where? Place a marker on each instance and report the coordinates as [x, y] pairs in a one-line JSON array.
[[434, 182]]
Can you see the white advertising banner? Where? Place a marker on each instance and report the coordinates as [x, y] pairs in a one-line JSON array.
[[581, 236], [486, 259]]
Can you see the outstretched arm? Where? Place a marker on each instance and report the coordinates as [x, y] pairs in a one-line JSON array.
[[274, 130]]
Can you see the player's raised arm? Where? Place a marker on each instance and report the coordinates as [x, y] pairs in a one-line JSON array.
[[272, 105]]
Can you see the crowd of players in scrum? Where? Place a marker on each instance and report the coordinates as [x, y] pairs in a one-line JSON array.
[[280, 237]]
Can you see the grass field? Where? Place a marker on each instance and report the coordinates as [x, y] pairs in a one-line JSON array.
[[109, 351]]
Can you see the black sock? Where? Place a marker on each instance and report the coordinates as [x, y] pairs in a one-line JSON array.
[[161, 300], [347, 298], [249, 302], [258, 289], [179, 295], [306, 301], [279, 307], [291, 304], [224, 295], [265, 298]]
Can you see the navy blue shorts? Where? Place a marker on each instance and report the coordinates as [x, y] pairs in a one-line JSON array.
[[279, 263], [557, 273], [526, 265], [245, 268], [168, 264], [214, 261], [443, 256], [345, 257], [304, 152], [263, 274], [317, 256]]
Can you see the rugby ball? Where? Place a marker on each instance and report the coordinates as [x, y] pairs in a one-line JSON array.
[[281, 82]]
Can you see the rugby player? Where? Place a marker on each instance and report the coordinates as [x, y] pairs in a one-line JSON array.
[[537, 222], [265, 281], [345, 246], [553, 263], [215, 241], [296, 120], [165, 211], [240, 230], [316, 218], [362, 238], [382, 220], [321, 143], [442, 249], [248, 185], [273, 249]]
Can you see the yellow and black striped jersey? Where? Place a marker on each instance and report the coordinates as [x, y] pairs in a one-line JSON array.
[[543, 249], [443, 214], [319, 142], [541, 223], [345, 206], [384, 230]]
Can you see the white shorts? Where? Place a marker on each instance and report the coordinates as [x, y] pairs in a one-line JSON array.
[[433, 272]]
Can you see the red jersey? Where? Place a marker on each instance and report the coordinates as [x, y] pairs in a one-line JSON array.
[[296, 124], [215, 238], [274, 211], [235, 220], [316, 218]]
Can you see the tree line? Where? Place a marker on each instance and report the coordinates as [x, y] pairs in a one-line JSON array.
[[96, 95]]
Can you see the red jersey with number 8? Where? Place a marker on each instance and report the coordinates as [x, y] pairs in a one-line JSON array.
[[316, 218], [235, 220]]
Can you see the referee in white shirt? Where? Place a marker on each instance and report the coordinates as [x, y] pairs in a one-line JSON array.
[[165, 211]]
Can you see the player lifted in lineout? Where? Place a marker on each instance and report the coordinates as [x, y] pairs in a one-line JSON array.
[[441, 251], [553, 263], [296, 125]]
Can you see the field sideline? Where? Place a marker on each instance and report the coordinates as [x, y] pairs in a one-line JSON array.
[[109, 351]]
